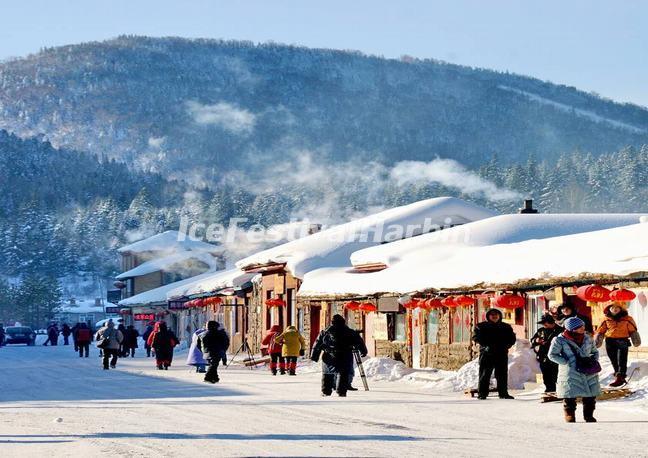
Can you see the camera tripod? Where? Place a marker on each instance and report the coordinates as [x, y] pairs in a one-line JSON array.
[[246, 348]]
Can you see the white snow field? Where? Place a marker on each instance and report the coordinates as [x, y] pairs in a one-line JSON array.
[[53, 403]]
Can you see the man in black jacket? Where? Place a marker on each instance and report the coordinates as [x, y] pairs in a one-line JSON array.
[[213, 344], [494, 338], [540, 342], [335, 345]]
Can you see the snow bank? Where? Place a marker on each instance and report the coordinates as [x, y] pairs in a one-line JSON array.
[[523, 368], [232, 278]]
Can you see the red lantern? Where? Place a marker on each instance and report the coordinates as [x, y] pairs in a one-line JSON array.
[[217, 300], [510, 301], [593, 293], [352, 305], [275, 303], [449, 302], [368, 307], [200, 303], [412, 304], [622, 295], [434, 303], [464, 301]]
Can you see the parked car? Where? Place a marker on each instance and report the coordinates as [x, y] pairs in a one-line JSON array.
[[20, 334]]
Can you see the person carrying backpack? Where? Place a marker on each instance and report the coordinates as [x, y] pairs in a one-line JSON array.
[[335, 345], [163, 340], [82, 337], [292, 346], [109, 340], [213, 344]]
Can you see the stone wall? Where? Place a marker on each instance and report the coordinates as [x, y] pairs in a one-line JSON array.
[[446, 356], [398, 351]]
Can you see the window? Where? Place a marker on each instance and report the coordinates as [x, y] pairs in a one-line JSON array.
[[432, 327], [461, 324], [300, 320], [399, 327]]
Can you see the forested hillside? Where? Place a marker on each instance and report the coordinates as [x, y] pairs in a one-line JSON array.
[[200, 108]]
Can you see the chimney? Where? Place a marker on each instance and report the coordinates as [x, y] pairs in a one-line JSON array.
[[528, 207]]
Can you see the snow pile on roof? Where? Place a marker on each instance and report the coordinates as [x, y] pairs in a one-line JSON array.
[[332, 247], [169, 241], [232, 278], [499, 229], [171, 263], [619, 251], [159, 295], [81, 306]]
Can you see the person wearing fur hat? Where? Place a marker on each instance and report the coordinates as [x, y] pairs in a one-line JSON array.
[[618, 329], [577, 357], [494, 338], [540, 343]]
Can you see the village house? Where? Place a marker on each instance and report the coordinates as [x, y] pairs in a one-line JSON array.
[[429, 291], [281, 269], [154, 266]]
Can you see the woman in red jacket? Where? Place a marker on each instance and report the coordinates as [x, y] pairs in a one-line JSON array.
[[162, 340], [274, 350]]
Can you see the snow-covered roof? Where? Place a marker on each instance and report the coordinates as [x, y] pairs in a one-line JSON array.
[[159, 295], [170, 241], [499, 229], [232, 278], [81, 306], [171, 263], [332, 247], [615, 252]]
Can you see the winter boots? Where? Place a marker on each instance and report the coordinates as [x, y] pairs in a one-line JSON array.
[[570, 415], [619, 380], [589, 404]]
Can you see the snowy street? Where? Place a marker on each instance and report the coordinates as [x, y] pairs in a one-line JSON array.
[[139, 411]]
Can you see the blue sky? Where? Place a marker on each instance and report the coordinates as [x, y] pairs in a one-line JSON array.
[[599, 46]]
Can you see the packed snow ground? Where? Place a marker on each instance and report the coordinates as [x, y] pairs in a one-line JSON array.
[[139, 411]]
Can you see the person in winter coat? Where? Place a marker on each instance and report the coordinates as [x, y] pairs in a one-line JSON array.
[[147, 332], [540, 343], [2, 335], [292, 346], [162, 340], [494, 338], [213, 344], [122, 350], [274, 350], [567, 311], [618, 329], [52, 335], [130, 341], [195, 356], [566, 349], [335, 346], [109, 340], [66, 332], [82, 337], [362, 348]]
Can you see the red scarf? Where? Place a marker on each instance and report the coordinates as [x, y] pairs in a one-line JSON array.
[[574, 336]]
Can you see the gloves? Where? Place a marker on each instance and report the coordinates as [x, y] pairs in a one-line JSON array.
[[599, 340], [363, 354], [636, 339], [302, 352]]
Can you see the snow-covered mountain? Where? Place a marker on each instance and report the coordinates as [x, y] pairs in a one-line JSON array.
[[195, 108]]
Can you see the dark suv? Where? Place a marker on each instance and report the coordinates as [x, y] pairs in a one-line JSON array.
[[19, 334]]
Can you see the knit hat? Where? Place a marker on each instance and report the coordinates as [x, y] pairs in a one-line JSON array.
[[573, 323]]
